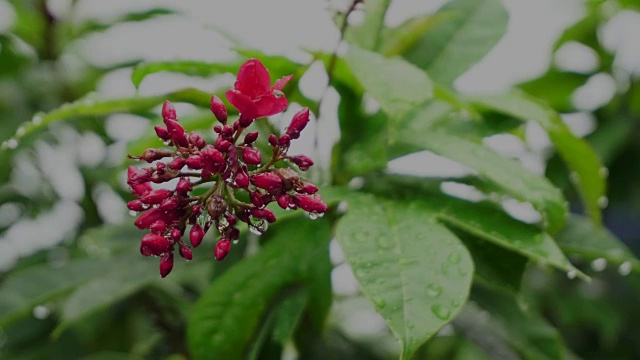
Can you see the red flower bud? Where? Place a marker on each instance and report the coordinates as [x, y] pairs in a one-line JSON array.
[[256, 198], [251, 156], [135, 205], [185, 252], [196, 140], [156, 196], [283, 201], [251, 137], [162, 132], [176, 234], [214, 156], [298, 123], [178, 135], [137, 176], [158, 227], [149, 217], [227, 131], [166, 264], [268, 181], [233, 233], [196, 235], [218, 109], [177, 163], [222, 145], [169, 111], [154, 244], [242, 180], [308, 188], [194, 162], [310, 203], [222, 249], [273, 140], [170, 204], [151, 155], [232, 220], [284, 140], [217, 129], [183, 186], [141, 189], [303, 162], [263, 214]]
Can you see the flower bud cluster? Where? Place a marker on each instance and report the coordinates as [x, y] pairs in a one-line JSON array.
[[228, 165]]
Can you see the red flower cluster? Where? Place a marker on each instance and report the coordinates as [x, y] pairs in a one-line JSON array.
[[227, 166]]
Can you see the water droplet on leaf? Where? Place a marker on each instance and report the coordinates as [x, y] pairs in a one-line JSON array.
[[625, 268], [599, 264], [434, 290], [441, 312]]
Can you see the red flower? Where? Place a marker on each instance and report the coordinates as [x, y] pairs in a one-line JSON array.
[[253, 95]]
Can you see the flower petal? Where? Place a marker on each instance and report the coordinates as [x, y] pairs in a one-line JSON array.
[[280, 83], [243, 103], [270, 105], [253, 79]]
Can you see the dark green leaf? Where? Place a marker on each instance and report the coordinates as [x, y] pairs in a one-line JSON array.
[[414, 270]]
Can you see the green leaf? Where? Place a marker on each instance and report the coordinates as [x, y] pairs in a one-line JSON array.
[[123, 277], [576, 152], [288, 316], [526, 332], [555, 88], [227, 316], [22, 290], [486, 222], [399, 40], [581, 237], [507, 174], [186, 67], [397, 85], [367, 35], [470, 29], [414, 270]]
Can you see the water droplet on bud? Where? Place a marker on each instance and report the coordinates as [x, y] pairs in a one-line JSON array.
[[133, 213]]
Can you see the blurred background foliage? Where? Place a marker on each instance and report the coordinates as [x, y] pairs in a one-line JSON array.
[[77, 288]]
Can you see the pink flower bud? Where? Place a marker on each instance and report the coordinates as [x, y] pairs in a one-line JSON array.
[[298, 123], [170, 204], [196, 140], [196, 235], [183, 186], [250, 138], [256, 198], [263, 214], [232, 220], [158, 227], [166, 264], [308, 188], [222, 145], [149, 217], [213, 155], [245, 121], [177, 163], [194, 162], [185, 252], [251, 156], [137, 176], [162, 132], [141, 189], [218, 109], [135, 205], [176, 234], [310, 203], [283, 201], [178, 135], [217, 129], [227, 131], [268, 181], [303, 162], [242, 180], [284, 140], [222, 249], [154, 244], [156, 196], [273, 140], [169, 111], [151, 155]]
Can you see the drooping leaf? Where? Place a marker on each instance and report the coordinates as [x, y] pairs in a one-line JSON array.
[[397, 85], [414, 270], [581, 237], [579, 156], [227, 315], [470, 29], [507, 174]]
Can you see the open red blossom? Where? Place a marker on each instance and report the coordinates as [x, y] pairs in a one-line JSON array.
[[253, 95]]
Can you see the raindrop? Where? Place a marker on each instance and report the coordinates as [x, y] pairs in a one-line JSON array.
[[41, 312], [313, 216], [571, 274], [441, 312], [37, 120], [255, 231], [603, 202], [222, 222], [21, 130], [167, 143], [599, 264], [145, 206], [378, 302], [12, 143], [625, 268], [604, 172], [454, 258], [434, 290], [235, 241], [133, 213]]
